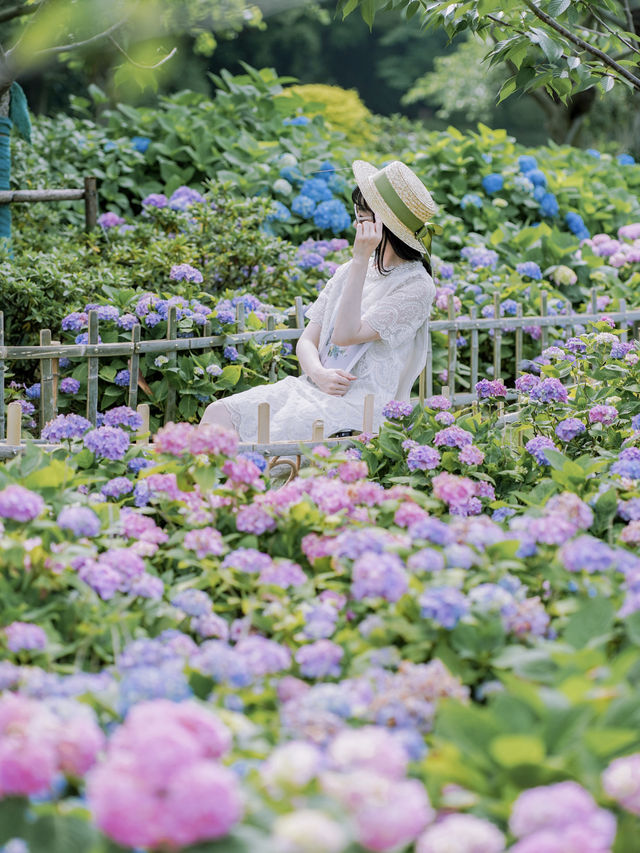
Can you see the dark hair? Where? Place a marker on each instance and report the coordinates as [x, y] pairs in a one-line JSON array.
[[406, 253]]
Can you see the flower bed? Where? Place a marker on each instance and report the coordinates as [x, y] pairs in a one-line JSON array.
[[431, 636]]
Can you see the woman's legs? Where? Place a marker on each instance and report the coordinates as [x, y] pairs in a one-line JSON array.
[[217, 413]]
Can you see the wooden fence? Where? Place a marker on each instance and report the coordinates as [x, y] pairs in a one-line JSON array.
[[89, 194], [49, 352]]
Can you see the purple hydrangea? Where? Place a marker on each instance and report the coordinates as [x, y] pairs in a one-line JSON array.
[[423, 458], [108, 442], [122, 416], [282, 573], [117, 487], [320, 659], [601, 414], [479, 257], [549, 390], [396, 410], [438, 402], [127, 321], [529, 269], [446, 605], [184, 197], [20, 504], [75, 321], [526, 383], [628, 464], [122, 378], [491, 388], [569, 428], [110, 220], [230, 353], [453, 436], [65, 427], [246, 560], [158, 200], [80, 520], [536, 447], [185, 272], [379, 576], [69, 385], [194, 602], [213, 369], [147, 586], [33, 391], [586, 553], [23, 635]]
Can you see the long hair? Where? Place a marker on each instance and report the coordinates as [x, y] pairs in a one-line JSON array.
[[406, 253]]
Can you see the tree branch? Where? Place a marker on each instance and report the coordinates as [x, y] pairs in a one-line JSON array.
[[582, 44], [138, 64], [18, 11], [64, 48], [627, 11], [630, 45]]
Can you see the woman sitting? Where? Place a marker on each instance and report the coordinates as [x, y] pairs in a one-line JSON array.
[[368, 328]]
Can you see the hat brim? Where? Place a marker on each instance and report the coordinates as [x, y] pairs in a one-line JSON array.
[[363, 173]]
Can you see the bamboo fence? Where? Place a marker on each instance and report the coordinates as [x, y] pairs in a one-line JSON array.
[[89, 194], [48, 353]]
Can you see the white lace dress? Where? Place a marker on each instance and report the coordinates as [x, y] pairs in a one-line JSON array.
[[397, 306]]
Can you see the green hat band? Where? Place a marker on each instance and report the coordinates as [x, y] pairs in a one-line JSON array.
[[423, 231]]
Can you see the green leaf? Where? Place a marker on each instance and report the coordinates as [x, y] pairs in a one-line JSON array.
[[551, 48], [61, 834], [557, 7], [508, 88], [591, 624], [511, 750], [368, 12], [12, 818]]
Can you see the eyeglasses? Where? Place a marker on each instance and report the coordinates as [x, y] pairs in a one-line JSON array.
[[368, 215]]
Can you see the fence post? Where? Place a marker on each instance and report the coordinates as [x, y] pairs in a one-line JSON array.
[[623, 321], [47, 412], [90, 203], [544, 330], [271, 324], [2, 368], [429, 383], [518, 342], [55, 362], [172, 334], [473, 313], [142, 435], [299, 322], [594, 300], [14, 424], [317, 431], [240, 324], [92, 370], [451, 350], [264, 414], [497, 339], [367, 414], [134, 367]]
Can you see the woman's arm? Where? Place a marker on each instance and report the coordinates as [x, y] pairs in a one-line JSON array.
[[349, 328], [332, 381]]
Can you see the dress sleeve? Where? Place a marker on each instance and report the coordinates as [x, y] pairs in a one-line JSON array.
[[315, 311], [398, 316]]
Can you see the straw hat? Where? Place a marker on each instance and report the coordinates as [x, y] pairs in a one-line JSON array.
[[400, 200]]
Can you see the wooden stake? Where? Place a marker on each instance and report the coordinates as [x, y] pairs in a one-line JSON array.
[[142, 436], [317, 431], [367, 419], [264, 423], [14, 424]]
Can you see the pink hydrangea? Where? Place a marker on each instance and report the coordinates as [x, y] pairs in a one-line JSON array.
[[204, 541], [369, 748], [353, 470], [24, 635], [243, 471], [438, 401], [135, 525], [173, 439], [408, 513], [394, 819], [471, 455], [464, 833], [453, 490], [252, 518], [603, 414], [214, 440], [160, 783], [20, 504], [621, 781]]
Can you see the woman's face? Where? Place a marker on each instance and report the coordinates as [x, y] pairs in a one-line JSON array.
[[363, 215]]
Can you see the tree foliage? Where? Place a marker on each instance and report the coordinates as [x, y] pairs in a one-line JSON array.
[[559, 46]]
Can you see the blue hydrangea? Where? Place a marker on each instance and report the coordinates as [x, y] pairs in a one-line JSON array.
[[471, 199], [549, 205], [574, 221], [257, 458], [122, 378], [298, 121], [537, 177], [140, 143], [152, 319], [33, 391], [445, 605], [478, 256], [303, 205], [292, 174], [529, 269], [326, 170], [230, 353], [539, 193], [626, 159], [492, 183], [527, 163], [509, 306], [332, 214], [593, 152], [279, 211], [316, 189]]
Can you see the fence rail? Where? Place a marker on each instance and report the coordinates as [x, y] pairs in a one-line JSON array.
[[89, 193], [49, 352]]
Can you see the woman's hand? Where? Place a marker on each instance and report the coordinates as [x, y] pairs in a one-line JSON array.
[[333, 381], [368, 235]]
